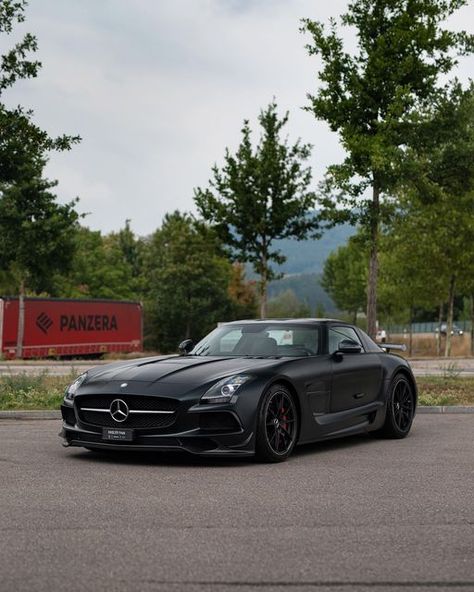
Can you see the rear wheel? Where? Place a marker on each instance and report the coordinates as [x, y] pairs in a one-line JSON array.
[[277, 428], [400, 409]]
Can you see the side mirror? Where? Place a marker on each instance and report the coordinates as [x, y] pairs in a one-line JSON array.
[[347, 346], [185, 347]]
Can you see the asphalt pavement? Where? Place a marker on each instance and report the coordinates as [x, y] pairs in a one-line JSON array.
[[354, 514]]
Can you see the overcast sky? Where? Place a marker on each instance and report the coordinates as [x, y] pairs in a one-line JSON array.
[[158, 88]]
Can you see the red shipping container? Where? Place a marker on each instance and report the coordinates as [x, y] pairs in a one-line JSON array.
[[66, 327]]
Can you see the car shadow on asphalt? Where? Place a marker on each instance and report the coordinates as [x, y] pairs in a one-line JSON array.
[[324, 446], [184, 459]]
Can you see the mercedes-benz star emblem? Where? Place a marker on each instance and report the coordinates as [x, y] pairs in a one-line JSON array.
[[119, 410]]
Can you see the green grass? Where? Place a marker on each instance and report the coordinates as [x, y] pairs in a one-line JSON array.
[[445, 390], [43, 391], [24, 391]]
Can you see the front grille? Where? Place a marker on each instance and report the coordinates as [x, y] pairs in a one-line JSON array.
[[139, 402], [134, 403], [142, 420]]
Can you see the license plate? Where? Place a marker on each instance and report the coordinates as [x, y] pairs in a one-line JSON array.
[[117, 434]]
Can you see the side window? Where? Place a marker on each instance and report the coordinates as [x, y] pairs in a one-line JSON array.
[[337, 334]]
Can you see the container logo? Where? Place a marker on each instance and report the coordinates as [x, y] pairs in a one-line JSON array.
[[43, 322], [88, 323]]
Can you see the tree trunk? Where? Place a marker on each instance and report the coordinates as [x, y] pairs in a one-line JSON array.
[[410, 335], [471, 314], [438, 333], [263, 297], [354, 318], [263, 282], [449, 319], [21, 321], [373, 263]]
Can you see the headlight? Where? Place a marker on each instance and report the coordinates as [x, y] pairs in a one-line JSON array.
[[72, 388], [224, 390]]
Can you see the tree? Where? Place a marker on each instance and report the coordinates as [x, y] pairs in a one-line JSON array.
[[242, 294], [345, 276], [130, 252], [23, 154], [98, 269], [441, 199], [23, 145], [376, 99], [260, 195], [188, 279], [410, 268], [36, 238]]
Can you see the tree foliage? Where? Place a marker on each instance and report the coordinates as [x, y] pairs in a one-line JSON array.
[[378, 100], [36, 233], [23, 145], [261, 194], [100, 268], [39, 229], [188, 279], [242, 294], [345, 276]]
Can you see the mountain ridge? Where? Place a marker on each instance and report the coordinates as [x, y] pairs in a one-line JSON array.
[[304, 266]]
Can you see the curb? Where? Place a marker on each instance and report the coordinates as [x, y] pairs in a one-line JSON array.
[[445, 409], [30, 414], [52, 414]]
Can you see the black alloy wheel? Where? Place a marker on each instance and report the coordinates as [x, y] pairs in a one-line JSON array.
[[278, 425], [403, 405], [400, 409]]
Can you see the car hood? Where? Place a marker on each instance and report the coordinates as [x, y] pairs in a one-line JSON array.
[[184, 370]]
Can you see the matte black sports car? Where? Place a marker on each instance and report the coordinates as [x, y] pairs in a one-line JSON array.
[[249, 387]]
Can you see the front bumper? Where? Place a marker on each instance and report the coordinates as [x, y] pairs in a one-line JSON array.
[[190, 437]]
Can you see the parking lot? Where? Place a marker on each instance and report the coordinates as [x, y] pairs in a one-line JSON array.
[[352, 514]]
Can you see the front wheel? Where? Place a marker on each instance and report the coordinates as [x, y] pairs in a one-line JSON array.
[[277, 427], [400, 409]]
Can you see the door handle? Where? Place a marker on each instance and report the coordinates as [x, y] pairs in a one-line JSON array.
[[359, 395]]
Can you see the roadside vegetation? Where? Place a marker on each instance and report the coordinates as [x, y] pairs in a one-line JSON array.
[[43, 391], [445, 390], [25, 391]]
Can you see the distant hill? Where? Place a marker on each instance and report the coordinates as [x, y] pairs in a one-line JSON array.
[[304, 266], [307, 288], [309, 256]]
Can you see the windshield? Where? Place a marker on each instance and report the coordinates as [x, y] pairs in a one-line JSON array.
[[260, 340]]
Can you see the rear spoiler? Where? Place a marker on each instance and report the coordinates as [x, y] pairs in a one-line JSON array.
[[395, 346]]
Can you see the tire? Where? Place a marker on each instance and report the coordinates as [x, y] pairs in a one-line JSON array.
[[400, 409], [277, 425]]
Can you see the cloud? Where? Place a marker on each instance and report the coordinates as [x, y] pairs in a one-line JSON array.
[[157, 90]]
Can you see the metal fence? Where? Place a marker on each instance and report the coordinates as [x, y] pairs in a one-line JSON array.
[[425, 327]]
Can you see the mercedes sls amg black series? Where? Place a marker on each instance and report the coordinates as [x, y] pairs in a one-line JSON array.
[[248, 388]]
